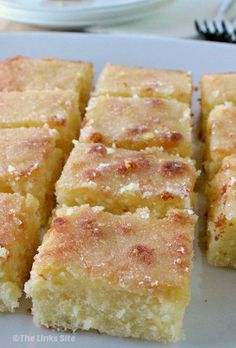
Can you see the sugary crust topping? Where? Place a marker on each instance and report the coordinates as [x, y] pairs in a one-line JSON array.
[[132, 81], [21, 152], [22, 73], [143, 254], [148, 174], [37, 107], [173, 168], [127, 166], [127, 249], [217, 88], [137, 123], [15, 211], [97, 149]]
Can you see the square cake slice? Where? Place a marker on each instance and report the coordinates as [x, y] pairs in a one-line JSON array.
[[222, 216], [30, 163], [216, 89], [23, 73], [125, 275], [19, 239], [136, 123], [220, 136], [124, 180], [127, 81], [57, 108]]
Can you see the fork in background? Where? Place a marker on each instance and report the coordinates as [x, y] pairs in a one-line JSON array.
[[219, 28]]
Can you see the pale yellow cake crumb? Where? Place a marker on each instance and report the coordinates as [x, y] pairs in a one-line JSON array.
[[216, 89], [220, 136], [19, 239]]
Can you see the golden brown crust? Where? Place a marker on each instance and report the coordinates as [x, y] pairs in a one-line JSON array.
[[140, 253], [135, 251], [217, 89], [36, 108], [126, 81], [22, 150], [174, 168], [135, 123], [22, 73], [14, 212], [58, 109], [113, 173]]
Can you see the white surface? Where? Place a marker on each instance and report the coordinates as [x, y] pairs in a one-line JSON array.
[[173, 18], [210, 320], [58, 5], [74, 14], [169, 18]]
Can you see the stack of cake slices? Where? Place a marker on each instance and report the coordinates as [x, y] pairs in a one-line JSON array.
[[40, 105], [219, 131], [118, 254]]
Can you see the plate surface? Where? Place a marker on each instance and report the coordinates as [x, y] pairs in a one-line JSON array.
[[74, 13], [210, 319]]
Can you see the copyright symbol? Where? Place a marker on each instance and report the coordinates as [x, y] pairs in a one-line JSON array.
[[15, 338]]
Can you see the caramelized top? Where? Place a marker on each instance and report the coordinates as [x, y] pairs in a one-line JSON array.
[[217, 89], [22, 73], [22, 150], [137, 123], [15, 211], [116, 172], [126, 81], [134, 251], [35, 108]]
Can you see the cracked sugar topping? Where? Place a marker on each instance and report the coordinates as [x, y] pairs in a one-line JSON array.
[[130, 250]]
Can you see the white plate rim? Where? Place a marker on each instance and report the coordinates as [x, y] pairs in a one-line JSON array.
[[78, 18]]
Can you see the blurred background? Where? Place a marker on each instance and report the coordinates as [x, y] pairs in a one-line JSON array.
[[165, 18]]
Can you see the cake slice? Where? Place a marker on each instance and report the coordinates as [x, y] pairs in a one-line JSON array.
[[23, 73], [125, 275], [30, 163], [136, 123], [222, 216], [124, 180], [126, 81], [19, 239], [216, 89], [220, 136], [57, 108]]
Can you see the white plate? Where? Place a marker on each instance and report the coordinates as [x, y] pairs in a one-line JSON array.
[[74, 13], [210, 320]]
